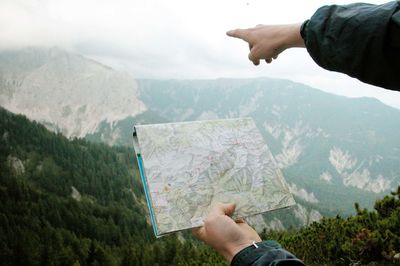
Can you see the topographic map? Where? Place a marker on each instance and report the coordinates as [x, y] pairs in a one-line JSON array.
[[187, 167]]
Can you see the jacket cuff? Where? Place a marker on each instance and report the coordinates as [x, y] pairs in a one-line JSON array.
[[250, 254], [303, 30]]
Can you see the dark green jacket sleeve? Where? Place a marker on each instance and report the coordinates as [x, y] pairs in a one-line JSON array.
[[360, 40], [267, 253]]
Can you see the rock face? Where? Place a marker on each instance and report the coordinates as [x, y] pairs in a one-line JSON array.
[[66, 92], [75, 194], [333, 150], [16, 164], [302, 193], [306, 217], [355, 173]]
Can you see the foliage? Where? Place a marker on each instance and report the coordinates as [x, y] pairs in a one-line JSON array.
[[368, 236], [295, 120], [42, 224]]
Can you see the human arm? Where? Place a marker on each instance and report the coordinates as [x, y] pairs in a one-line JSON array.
[[268, 41], [237, 242], [360, 40]]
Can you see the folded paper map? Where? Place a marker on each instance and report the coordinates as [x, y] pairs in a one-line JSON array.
[[187, 167]]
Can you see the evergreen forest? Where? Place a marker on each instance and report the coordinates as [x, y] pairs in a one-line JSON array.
[[73, 202]]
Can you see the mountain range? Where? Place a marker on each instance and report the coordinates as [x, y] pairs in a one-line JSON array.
[[332, 150]]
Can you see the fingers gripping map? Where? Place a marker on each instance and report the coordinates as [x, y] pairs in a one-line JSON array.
[[187, 167]]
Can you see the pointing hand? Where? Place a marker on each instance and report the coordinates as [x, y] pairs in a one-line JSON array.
[[268, 41]]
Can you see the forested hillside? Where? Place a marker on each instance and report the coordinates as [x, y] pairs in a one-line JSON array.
[[70, 202], [329, 146], [42, 222]]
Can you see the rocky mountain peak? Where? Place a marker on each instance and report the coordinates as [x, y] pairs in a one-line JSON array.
[[66, 91]]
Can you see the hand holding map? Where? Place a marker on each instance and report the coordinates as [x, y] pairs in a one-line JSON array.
[[188, 167], [224, 234]]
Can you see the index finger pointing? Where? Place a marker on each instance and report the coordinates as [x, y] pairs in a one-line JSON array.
[[238, 33]]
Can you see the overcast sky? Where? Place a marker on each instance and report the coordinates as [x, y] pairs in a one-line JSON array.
[[173, 39]]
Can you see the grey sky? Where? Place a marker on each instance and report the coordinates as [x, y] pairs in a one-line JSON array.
[[173, 39]]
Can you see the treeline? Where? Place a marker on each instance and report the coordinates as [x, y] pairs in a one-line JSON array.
[[105, 223]]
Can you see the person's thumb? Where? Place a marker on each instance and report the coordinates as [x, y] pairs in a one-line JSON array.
[[229, 209], [222, 209], [198, 232]]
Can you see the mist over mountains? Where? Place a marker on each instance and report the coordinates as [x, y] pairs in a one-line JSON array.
[[73, 202], [67, 92], [333, 150]]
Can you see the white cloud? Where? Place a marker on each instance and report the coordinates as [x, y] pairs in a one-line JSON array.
[[172, 39]]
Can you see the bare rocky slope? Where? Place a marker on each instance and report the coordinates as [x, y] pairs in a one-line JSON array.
[[67, 92]]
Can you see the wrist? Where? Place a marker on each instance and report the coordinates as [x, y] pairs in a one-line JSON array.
[[294, 38]]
